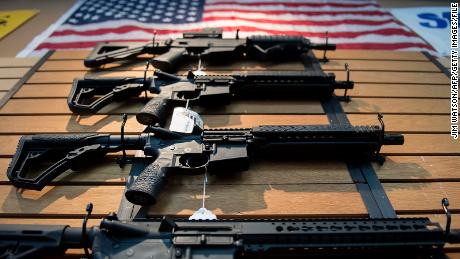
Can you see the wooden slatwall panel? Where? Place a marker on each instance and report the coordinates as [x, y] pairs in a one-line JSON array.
[[406, 87], [11, 70]]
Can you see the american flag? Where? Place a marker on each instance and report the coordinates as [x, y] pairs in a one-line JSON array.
[[350, 24]]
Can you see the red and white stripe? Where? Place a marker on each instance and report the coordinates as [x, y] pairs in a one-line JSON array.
[[350, 24]]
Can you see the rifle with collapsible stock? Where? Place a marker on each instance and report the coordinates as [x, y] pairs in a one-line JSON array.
[[208, 44], [87, 96], [217, 151]]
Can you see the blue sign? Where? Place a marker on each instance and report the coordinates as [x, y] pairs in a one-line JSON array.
[[430, 23]]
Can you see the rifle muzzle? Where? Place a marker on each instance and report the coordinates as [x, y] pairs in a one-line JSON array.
[[393, 139]]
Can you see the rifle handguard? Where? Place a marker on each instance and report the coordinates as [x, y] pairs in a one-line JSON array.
[[268, 39], [283, 39], [147, 186], [154, 111]]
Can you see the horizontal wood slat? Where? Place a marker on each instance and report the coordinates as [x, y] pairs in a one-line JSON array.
[[348, 54], [425, 144], [30, 124], [68, 124], [263, 200], [279, 199], [10, 62], [395, 169], [132, 106], [397, 90], [397, 105], [7, 84], [419, 168], [272, 199], [63, 200], [357, 105], [378, 65], [13, 73], [410, 197], [55, 199]]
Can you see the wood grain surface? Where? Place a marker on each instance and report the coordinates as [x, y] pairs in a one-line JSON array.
[[7, 84], [13, 72], [358, 105]]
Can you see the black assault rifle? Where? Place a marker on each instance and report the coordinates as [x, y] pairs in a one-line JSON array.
[[238, 238], [87, 96], [217, 151], [208, 44]]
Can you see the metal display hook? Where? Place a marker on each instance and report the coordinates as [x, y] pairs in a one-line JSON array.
[[445, 206], [325, 59], [347, 69], [89, 210], [123, 160], [146, 69]]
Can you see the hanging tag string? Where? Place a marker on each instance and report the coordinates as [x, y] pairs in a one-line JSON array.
[[199, 62], [203, 213], [205, 181]]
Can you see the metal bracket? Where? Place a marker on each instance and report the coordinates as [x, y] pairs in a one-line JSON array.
[[382, 124], [89, 210], [147, 65], [445, 206], [167, 225], [347, 69], [124, 160], [153, 38], [325, 59], [381, 159]]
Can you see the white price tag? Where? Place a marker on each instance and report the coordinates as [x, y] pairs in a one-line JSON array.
[[199, 73], [203, 214], [184, 120]]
